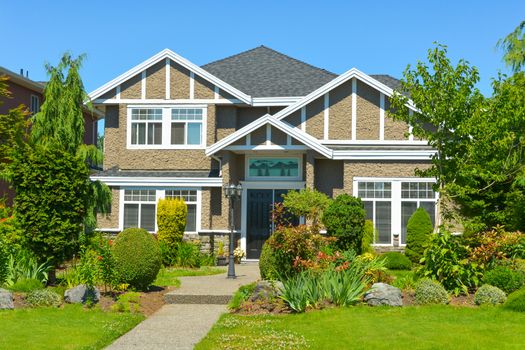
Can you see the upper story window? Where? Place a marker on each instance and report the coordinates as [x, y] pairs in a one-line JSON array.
[[167, 127], [186, 126], [146, 126], [35, 104]]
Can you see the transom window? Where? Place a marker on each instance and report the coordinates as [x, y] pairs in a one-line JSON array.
[[266, 167], [146, 126], [186, 126], [375, 189], [190, 198], [417, 190]]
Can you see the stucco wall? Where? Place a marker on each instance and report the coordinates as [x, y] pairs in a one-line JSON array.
[[394, 129], [110, 220], [329, 176], [203, 89], [315, 118], [340, 114], [132, 88], [367, 106], [179, 81], [156, 81]]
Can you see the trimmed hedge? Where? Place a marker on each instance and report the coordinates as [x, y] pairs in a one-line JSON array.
[[396, 261], [516, 301], [171, 220], [489, 295], [431, 292], [505, 279], [419, 228], [137, 257]]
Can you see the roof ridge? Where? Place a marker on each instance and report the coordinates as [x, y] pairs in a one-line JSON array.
[[275, 51]]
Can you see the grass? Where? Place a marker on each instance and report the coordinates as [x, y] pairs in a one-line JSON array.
[[71, 327], [169, 276], [362, 327]]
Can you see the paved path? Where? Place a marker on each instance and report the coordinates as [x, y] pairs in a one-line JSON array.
[[194, 308]]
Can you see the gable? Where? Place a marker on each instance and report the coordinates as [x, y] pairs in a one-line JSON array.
[[155, 78]]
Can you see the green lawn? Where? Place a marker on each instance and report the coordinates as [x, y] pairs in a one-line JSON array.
[[363, 327], [169, 276], [72, 327]]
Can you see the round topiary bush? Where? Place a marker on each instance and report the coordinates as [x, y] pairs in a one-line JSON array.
[[505, 279], [267, 262], [431, 292], [516, 301], [419, 228], [489, 295], [43, 297], [137, 257], [396, 261]]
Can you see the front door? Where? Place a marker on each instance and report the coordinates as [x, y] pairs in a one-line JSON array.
[[259, 220]]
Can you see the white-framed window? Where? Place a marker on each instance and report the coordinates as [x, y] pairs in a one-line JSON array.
[[280, 168], [190, 198], [167, 127], [390, 202], [34, 107], [140, 209]]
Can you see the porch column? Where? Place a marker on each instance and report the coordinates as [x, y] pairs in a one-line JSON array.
[[310, 169]]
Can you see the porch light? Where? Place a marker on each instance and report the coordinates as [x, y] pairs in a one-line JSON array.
[[233, 193]]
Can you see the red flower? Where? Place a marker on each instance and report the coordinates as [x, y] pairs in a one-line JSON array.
[[99, 258]]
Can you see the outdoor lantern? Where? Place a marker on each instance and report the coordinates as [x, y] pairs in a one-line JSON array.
[[239, 191]]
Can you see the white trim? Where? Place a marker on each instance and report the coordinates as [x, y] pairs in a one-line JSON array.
[[168, 79], [117, 95], [383, 154], [303, 119], [375, 142], [282, 179], [216, 92], [381, 116], [120, 209], [354, 109], [159, 181], [274, 101], [249, 140], [166, 53], [192, 85], [112, 101], [386, 179], [288, 140], [143, 85], [268, 135], [266, 148], [326, 115], [410, 127]]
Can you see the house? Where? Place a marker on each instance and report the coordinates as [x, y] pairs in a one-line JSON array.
[[262, 119], [30, 93]]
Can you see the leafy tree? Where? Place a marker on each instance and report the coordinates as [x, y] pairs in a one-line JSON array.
[[344, 218], [419, 228], [306, 202], [514, 47]]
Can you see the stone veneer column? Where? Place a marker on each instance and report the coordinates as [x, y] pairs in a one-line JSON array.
[[310, 169]]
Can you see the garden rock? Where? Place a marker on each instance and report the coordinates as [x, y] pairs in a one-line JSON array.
[[265, 290], [6, 300], [82, 294], [383, 294]]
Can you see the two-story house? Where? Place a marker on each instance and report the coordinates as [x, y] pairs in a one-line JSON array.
[[262, 119]]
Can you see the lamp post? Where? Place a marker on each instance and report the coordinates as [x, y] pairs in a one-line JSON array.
[[233, 193]]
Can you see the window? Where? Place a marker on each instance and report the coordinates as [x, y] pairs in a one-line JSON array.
[[273, 168], [377, 202], [146, 126], [190, 198], [186, 126], [413, 196], [35, 104], [140, 209]]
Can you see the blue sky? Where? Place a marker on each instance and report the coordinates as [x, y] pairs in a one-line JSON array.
[[374, 36]]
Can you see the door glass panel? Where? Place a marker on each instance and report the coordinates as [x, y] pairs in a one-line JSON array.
[[383, 222], [407, 209], [147, 217], [131, 215]]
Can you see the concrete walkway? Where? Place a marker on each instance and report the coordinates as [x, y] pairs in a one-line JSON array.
[[190, 313]]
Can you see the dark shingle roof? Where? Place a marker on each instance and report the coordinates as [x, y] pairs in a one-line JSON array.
[[263, 72], [389, 81]]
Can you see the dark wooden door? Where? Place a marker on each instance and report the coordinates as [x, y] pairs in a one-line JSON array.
[[258, 221]]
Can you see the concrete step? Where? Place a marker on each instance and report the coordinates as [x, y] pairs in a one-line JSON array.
[[177, 298]]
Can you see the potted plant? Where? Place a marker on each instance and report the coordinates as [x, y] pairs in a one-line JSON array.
[[238, 254], [221, 256]]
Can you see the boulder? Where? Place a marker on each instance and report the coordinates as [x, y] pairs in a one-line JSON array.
[[383, 294], [6, 300], [81, 294], [265, 290]]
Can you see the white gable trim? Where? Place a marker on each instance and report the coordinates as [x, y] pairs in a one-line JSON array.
[[168, 54], [267, 119], [351, 74]]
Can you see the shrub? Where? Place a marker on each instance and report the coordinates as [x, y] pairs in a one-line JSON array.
[[419, 228], [4, 258], [308, 203], [188, 255], [505, 279], [516, 301], [87, 269], [268, 263], [431, 292], [496, 245], [487, 294], [406, 282], [137, 257], [344, 218], [368, 237], [26, 285], [396, 261], [446, 260], [127, 302], [43, 297], [171, 220]]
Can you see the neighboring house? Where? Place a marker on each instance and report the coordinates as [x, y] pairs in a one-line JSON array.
[[29, 93], [262, 119]]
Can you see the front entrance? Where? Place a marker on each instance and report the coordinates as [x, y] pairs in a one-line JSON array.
[[259, 219]]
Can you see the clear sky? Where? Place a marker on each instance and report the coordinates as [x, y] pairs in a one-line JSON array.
[[374, 36]]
